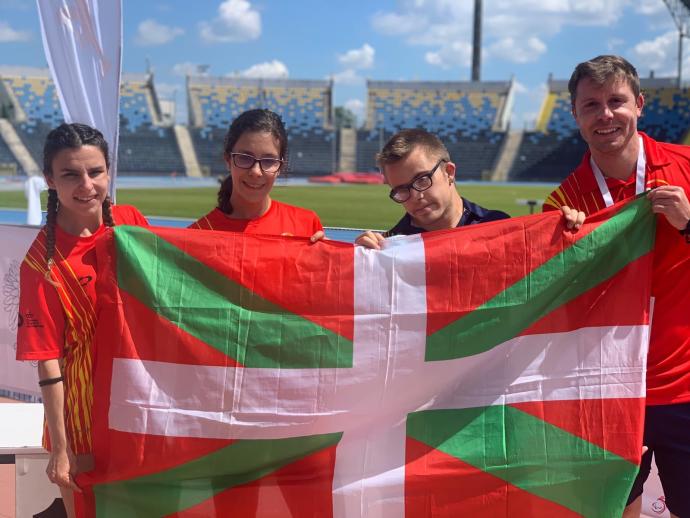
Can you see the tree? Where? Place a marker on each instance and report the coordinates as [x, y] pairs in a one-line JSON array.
[[344, 118]]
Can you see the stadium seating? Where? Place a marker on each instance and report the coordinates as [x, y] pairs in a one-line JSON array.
[[666, 114], [145, 146], [469, 117], [555, 148], [7, 158], [304, 106]]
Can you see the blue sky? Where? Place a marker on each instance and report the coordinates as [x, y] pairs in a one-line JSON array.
[[353, 40]]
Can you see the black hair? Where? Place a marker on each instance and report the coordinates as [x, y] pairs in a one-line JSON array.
[[253, 121], [69, 136]]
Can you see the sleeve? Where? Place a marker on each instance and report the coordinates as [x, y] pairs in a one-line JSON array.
[[316, 223], [41, 326], [128, 215], [551, 202]]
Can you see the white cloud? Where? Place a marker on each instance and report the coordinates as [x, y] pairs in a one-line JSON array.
[[528, 101], [658, 54], [358, 58], [455, 54], [168, 90], [648, 7], [10, 35], [150, 33], [515, 30], [394, 24], [268, 70], [519, 88], [186, 68], [356, 106], [349, 76], [517, 50], [236, 21]]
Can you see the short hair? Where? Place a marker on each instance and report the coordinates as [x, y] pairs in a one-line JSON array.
[[600, 70], [400, 145]]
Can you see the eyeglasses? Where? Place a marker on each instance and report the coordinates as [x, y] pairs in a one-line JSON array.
[[401, 193], [267, 165]]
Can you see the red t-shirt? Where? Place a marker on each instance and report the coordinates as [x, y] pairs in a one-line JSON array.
[[280, 219], [668, 362], [57, 320]]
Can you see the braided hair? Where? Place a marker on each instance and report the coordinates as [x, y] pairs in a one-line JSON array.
[[251, 121], [69, 136]]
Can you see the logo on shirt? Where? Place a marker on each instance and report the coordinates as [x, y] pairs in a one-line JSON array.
[[83, 281], [659, 505], [30, 320]]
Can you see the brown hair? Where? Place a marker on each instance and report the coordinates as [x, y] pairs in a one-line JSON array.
[[251, 121], [69, 136], [600, 70], [400, 145]]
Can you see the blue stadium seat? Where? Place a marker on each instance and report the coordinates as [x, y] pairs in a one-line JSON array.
[[145, 146], [304, 107], [462, 114], [555, 148]]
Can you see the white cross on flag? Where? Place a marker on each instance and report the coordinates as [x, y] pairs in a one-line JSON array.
[[496, 370]]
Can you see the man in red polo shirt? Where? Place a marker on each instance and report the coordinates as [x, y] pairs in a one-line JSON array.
[[620, 163]]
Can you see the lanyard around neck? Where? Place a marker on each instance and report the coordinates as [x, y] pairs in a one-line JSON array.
[[639, 176]]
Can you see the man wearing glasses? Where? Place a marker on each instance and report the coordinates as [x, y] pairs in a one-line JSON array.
[[417, 166]]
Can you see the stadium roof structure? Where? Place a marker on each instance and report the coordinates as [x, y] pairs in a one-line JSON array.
[[244, 82], [671, 3], [461, 86], [13, 71]]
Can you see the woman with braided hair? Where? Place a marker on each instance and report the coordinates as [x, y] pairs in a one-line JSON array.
[[57, 294]]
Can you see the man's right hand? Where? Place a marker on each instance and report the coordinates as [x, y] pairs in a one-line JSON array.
[[370, 239]]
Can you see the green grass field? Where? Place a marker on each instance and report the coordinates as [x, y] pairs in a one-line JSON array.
[[355, 206]]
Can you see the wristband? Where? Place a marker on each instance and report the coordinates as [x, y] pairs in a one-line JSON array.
[[50, 381]]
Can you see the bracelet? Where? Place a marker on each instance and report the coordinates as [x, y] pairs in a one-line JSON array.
[[50, 381]]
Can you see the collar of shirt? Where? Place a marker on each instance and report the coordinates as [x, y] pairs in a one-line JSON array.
[[656, 158]]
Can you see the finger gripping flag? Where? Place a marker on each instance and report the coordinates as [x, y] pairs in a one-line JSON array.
[[496, 370]]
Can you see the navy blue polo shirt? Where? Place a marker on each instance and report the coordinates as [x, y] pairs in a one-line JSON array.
[[471, 215]]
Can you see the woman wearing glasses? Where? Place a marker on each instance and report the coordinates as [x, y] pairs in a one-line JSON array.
[[255, 148]]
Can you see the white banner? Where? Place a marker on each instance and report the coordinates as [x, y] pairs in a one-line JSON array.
[[18, 380], [83, 45]]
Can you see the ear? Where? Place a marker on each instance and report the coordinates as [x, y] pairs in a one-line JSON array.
[[228, 160], [450, 171], [639, 102], [49, 181]]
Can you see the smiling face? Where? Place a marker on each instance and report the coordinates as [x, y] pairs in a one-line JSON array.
[[80, 177], [607, 114], [436, 207], [251, 187]]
